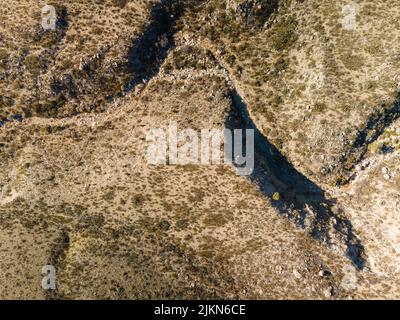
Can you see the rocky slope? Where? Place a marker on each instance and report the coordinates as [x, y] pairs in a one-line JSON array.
[[318, 218]]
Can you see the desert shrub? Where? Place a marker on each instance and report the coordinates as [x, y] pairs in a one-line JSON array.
[[164, 225], [284, 34], [319, 107], [50, 107], [215, 220], [120, 3], [182, 224], [137, 200], [257, 12], [3, 57], [280, 65], [32, 63], [353, 62], [198, 196]]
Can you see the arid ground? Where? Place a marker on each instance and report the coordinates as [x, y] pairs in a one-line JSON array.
[[316, 81]]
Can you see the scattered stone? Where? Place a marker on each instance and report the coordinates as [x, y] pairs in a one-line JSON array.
[[324, 273], [221, 51], [297, 274], [328, 292]]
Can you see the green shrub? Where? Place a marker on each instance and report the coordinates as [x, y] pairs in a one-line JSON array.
[[353, 62], [215, 220], [3, 57], [120, 3], [284, 34], [32, 63], [137, 200]]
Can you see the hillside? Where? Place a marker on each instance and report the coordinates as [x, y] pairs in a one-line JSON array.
[[317, 218]]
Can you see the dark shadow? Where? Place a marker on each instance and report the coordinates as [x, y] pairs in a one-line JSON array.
[[62, 23], [257, 13], [148, 52], [301, 200], [145, 56], [376, 123]]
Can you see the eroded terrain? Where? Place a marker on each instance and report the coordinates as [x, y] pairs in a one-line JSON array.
[[317, 219]]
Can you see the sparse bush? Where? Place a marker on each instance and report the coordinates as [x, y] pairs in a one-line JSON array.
[[32, 63], [3, 57], [137, 200], [284, 34], [120, 3]]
